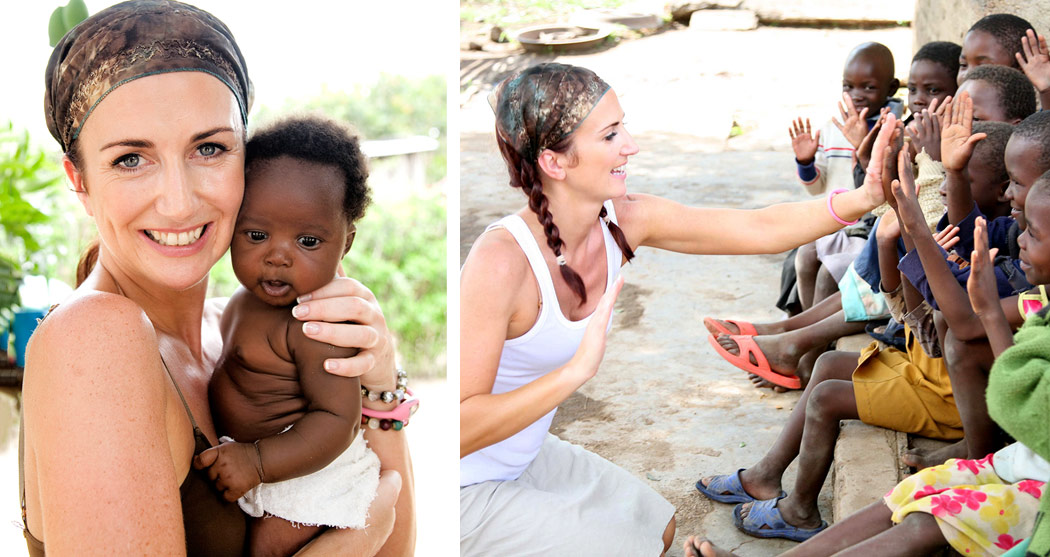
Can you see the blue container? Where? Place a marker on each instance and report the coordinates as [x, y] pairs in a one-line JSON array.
[[25, 323]]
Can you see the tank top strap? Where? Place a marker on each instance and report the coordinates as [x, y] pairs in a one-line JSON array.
[[185, 405], [521, 233]]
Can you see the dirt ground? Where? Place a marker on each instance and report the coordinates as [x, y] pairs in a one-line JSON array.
[[664, 406]]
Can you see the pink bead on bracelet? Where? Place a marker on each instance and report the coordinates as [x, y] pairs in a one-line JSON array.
[[832, 209]]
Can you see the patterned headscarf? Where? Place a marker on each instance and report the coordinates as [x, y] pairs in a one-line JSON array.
[[132, 40], [544, 104]]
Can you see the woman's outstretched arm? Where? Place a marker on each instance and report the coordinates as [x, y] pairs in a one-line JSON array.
[[494, 274], [661, 223], [102, 435]]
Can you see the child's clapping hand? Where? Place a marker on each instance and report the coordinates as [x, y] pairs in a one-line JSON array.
[[925, 131], [1034, 60], [957, 139], [234, 467], [854, 125], [803, 142], [981, 285], [904, 192]]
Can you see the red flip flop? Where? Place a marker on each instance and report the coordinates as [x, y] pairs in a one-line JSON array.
[[745, 328], [748, 346]]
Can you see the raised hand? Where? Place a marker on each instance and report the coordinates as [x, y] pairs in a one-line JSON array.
[[889, 228], [864, 150], [906, 196], [234, 467], [853, 125], [925, 133], [1034, 60], [584, 364], [957, 139], [873, 180], [948, 237], [802, 141], [981, 284]]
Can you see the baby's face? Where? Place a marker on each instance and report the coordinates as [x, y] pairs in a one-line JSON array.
[[291, 231], [927, 81], [987, 107], [1022, 163], [980, 48]]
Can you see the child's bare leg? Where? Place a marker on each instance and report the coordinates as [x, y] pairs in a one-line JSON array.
[[820, 310], [854, 529], [825, 286], [917, 534], [392, 449], [276, 537], [806, 267], [763, 480], [829, 402]]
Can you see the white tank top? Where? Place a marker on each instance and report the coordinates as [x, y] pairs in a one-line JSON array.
[[549, 344]]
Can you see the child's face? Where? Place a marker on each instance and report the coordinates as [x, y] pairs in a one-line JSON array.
[[1035, 240], [1022, 163], [988, 189], [987, 106], [928, 80], [980, 48], [291, 232], [867, 82]]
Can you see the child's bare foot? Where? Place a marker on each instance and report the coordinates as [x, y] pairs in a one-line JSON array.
[[782, 356], [762, 383], [702, 547], [920, 458]]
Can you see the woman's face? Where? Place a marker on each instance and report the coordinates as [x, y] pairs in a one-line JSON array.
[[162, 173], [600, 147]]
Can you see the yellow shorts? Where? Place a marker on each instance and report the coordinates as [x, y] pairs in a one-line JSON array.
[[906, 391]]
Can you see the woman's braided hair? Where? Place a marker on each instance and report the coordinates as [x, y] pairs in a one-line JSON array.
[[524, 174]]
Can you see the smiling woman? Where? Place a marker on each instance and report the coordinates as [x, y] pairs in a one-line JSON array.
[[537, 291], [149, 101]]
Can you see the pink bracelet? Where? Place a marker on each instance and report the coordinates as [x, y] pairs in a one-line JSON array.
[[832, 209], [396, 418]]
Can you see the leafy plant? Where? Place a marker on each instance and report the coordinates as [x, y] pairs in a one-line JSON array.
[[27, 175]]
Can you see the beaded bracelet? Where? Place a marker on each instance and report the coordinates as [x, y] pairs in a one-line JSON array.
[[398, 394], [395, 419], [831, 209]]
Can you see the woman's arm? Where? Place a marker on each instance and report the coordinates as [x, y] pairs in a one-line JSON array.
[[99, 452], [665, 224], [495, 271]]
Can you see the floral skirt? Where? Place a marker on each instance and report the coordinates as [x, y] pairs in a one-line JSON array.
[[977, 512]]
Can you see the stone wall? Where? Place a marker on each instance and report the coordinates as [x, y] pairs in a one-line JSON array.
[[948, 20]]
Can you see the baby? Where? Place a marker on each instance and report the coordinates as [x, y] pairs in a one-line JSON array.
[[299, 462]]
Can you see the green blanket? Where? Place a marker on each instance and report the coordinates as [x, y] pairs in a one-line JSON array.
[[1019, 401]]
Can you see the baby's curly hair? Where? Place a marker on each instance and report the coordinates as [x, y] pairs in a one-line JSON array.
[[1007, 29], [943, 53], [1016, 93], [320, 140]]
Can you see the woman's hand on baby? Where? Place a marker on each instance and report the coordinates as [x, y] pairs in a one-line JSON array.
[[1034, 60], [234, 467], [854, 125], [584, 364], [981, 284], [803, 142], [345, 313], [957, 139]]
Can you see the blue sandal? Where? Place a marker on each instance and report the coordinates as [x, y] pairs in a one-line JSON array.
[[765, 513], [725, 489]]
